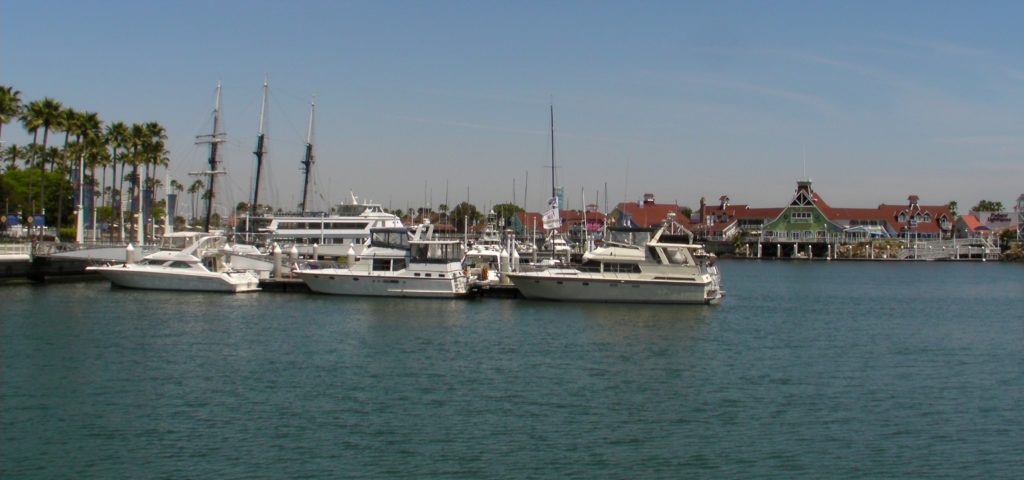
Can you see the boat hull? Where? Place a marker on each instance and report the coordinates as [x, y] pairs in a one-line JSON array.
[[160, 278], [383, 285], [614, 290]]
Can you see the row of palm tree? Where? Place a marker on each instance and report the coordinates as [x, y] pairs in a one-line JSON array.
[[132, 153]]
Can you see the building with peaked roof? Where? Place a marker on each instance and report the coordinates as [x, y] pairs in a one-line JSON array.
[[985, 224], [805, 219], [648, 213], [726, 220], [810, 219]]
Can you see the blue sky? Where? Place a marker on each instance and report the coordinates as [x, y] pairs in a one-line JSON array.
[[874, 101]]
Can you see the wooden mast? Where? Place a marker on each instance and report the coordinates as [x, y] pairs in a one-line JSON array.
[[307, 161], [260, 151], [214, 140]]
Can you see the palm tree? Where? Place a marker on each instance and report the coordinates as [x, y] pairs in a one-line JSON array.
[[43, 113], [10, 106], [135, 143], [88, 130], [12, 154], [117, 139], [177, 188], [155, 154], [196, 187]]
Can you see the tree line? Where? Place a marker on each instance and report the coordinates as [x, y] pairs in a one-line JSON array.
[[120, 161]]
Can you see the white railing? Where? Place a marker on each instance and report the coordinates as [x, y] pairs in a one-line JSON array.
[[15, 248]]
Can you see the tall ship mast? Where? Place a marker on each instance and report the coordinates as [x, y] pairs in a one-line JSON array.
[[214, 139], [307, 161], [260, 151], [554, 194]]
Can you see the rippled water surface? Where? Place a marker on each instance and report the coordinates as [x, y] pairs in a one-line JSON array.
[[840, 370]]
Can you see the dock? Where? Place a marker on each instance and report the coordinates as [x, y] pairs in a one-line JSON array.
[[284, 285]]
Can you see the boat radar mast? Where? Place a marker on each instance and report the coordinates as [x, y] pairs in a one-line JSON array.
[[214, 139], [307, 161]]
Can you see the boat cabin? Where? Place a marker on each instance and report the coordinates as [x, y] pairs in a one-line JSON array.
[[437, 251]]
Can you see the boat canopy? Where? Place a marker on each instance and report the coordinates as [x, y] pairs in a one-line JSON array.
[[394, 237], [437, 251]]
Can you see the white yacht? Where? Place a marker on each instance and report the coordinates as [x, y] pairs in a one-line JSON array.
[[490, 258], [347, 227], [396, 264], [203, 266], [632, 267]]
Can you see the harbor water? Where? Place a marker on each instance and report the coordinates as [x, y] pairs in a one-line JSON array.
[[807, 370]]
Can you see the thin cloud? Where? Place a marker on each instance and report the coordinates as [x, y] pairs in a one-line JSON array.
[[473, 126], [938, 46], [981, 140], [764, 90], [494, 128]]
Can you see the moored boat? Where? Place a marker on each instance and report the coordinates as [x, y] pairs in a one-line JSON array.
[[632, 267], [201, 267], [396, 264]]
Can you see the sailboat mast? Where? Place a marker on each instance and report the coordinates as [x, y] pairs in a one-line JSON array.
[[260, 150], [214, 139], [553, 194], [307, 161]]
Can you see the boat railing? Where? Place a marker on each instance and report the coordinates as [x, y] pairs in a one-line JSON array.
[[15, 249]]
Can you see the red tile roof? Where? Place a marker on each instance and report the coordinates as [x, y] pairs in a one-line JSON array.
[[652, 214]]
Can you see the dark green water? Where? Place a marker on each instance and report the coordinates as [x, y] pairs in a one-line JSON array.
[[841, 370]]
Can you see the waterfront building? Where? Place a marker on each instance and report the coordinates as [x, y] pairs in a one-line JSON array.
[[725, 221], [808, 225], [984, 224], [572, 223], [805, 219], [647, 213]]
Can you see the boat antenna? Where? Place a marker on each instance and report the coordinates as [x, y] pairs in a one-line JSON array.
[[260, 151], [307, 161], [214, 139]]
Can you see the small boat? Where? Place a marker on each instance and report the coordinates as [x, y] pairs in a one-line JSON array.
[[396, 264], [201, 267], [632, 267], [490, 258]]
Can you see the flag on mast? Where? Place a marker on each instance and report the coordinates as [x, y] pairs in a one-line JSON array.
[[551, 218]]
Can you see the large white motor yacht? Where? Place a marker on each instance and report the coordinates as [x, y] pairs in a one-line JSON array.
[[203, 266], [334, 234], [632, 267], [396, 264]]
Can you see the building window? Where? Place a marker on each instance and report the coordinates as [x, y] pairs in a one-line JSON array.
[[801, 217]]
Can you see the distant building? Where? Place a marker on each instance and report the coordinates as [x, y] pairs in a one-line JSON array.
[[809, 218], [983, 224], [647, 213]]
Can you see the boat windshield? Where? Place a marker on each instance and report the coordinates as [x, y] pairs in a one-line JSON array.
[[390, 238], [629, 237], [437, 252], [350, 210]]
